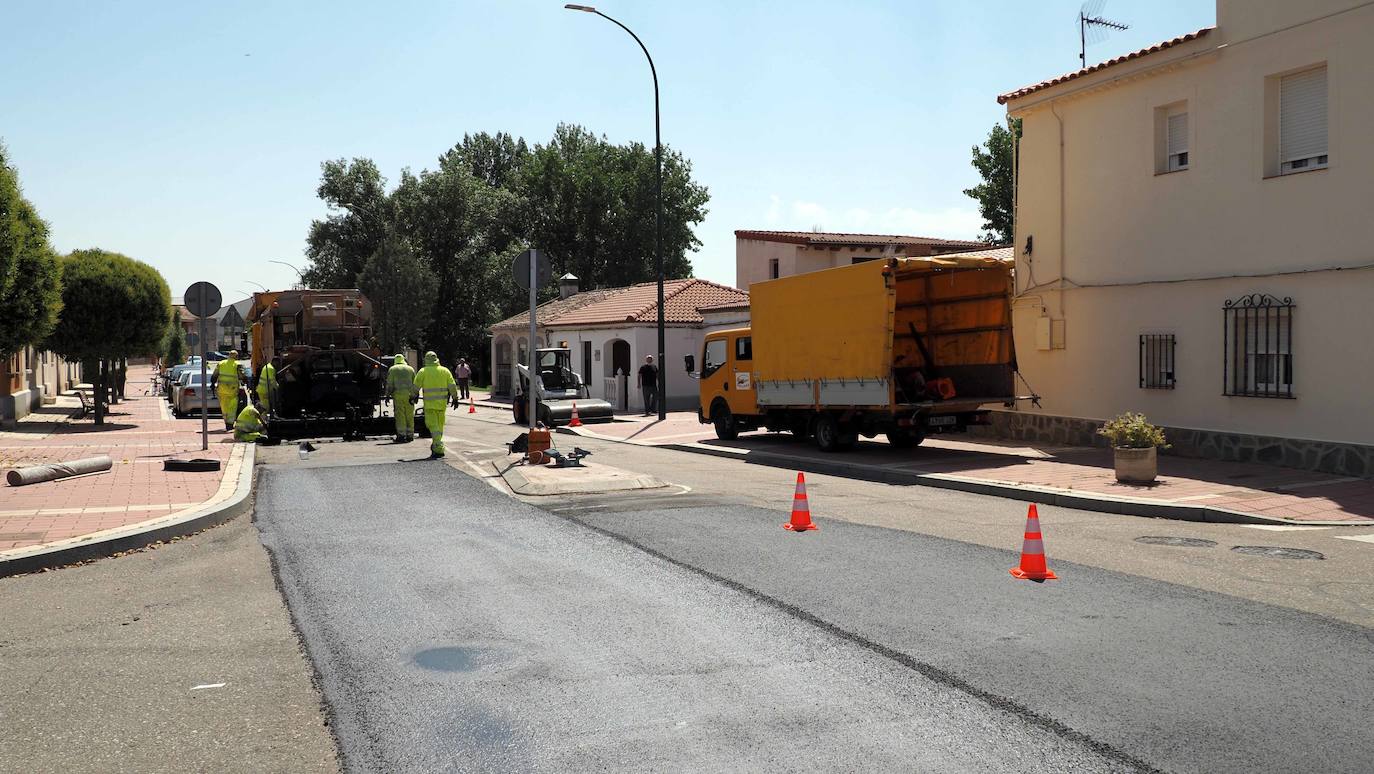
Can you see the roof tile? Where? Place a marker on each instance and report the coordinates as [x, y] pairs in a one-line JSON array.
[[1021, 92]]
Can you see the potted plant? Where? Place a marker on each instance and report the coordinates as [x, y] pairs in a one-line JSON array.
[[1134, 447]]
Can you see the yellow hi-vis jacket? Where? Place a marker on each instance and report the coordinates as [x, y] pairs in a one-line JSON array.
[[249, 425], [227, 375], [435, 383], [267, 383], [400, 378]]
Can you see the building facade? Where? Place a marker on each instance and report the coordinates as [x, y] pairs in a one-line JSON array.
[[1193, 239], [765, 255], [31, 377], [610, 331]]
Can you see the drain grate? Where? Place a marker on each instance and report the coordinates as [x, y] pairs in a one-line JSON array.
[[1186, 542], [1278, 552]]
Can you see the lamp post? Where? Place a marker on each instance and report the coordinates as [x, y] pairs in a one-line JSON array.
[[658, 207], [299, 275]]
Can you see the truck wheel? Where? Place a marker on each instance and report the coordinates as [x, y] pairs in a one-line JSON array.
[[905, 438], [724, 421]]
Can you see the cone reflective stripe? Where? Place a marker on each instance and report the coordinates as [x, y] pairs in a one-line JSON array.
[[575, 421], [1033, 565], [472, 408], [801, 509]]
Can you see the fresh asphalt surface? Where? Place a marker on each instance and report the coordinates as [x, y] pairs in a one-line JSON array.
[[455, 628]]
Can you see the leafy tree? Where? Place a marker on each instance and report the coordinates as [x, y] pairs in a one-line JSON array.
[[113, 307], [994, 162], [174, 345], [402, 290], [30, 297], [338, 246], [494, 159]]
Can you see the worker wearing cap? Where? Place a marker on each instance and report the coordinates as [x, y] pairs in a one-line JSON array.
[[437, 389], [249, 426], [226, 382], [267, 385], [400, 385]]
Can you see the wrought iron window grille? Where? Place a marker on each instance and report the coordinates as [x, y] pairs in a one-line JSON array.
[[1257, 354]]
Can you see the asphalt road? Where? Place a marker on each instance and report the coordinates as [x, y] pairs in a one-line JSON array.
[[99, 665], [457, 628]]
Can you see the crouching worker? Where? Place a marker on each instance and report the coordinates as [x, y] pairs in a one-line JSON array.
[[249, 426]]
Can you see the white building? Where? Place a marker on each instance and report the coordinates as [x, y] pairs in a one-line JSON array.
[[610, 331], [765, 255]]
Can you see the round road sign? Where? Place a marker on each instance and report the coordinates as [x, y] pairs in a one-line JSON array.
[[202, 299]]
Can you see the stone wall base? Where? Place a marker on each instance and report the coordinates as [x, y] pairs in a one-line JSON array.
[[1344, 459]]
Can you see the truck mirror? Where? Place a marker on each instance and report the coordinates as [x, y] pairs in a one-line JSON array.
[[691, 362]]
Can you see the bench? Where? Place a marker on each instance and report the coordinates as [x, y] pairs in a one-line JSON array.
[[87, 404]]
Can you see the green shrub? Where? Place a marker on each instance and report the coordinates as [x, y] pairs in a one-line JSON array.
[[1133, 431]]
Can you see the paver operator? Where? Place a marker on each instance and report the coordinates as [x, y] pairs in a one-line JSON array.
[[267, 385], [249, 426], [437, 389], [400, 385], [226, 382]]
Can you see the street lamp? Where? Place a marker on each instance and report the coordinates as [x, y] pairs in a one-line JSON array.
[[658, 207], [251, 282], [299, 275]]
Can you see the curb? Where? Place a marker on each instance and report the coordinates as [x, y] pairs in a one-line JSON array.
[[1125, 506], [110, 542], [520, 484]]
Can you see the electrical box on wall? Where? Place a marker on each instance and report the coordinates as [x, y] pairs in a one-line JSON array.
[[1049, 334]]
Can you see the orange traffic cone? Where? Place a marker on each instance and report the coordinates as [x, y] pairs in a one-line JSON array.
[[1033, 552], [472, 409], [575, 421], [801, 510]]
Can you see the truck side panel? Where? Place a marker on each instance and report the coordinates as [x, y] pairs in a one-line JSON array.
[[963, 316]]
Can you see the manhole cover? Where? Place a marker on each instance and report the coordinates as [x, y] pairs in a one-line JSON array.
[[1278, 552], [1162, 540]]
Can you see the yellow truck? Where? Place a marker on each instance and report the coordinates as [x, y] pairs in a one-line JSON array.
[[900, 346]]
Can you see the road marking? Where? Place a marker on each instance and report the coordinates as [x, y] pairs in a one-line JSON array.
[[208, 685], [1361, 538], [1282, 527]]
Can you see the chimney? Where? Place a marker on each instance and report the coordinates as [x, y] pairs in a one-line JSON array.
[[567, 285]]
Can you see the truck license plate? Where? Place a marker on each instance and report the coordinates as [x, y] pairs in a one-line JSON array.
[[944, 421]]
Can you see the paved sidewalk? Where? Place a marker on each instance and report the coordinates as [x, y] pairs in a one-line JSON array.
[[1077, 473], [138, 435]]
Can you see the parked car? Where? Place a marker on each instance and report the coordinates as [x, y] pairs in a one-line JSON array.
[[172, 375], [186, 395]]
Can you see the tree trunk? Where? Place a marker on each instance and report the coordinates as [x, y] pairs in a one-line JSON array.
[[100, 376], [122, 377]]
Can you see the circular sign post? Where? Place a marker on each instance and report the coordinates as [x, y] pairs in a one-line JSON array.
[[203, 300]]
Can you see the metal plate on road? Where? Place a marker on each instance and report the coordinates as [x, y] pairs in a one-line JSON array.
[[202, 299], [520, 269], [1278, 552]]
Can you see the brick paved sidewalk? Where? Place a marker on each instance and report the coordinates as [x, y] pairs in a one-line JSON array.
[[1249, 488], [138, 435]]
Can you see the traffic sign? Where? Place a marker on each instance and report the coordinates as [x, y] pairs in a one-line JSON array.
[[202, 299], [521, 269]]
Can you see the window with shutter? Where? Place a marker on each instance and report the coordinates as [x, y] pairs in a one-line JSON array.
[[1302, 121], [1177, 141]]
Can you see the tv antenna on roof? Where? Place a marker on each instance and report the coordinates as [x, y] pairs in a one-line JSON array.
[[1092, 28]]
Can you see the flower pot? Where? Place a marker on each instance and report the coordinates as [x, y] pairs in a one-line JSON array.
[[1135, 466]]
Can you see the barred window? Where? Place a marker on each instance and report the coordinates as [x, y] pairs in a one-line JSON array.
[[1258, 350], [1157, 361]]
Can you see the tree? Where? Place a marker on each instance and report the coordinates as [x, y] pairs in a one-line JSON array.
[[494, 159], [174, 345], [338, 246], [402, 290], [994, 162], [30, 296], [113, 307]]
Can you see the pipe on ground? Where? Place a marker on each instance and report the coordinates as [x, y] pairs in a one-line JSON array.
[[37, 474]]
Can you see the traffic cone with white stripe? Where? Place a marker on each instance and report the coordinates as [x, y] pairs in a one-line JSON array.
[[576, 422], [801, 509], [1033, 552], [472, 409]]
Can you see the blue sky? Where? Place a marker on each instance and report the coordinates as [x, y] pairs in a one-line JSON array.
[[189, 135]]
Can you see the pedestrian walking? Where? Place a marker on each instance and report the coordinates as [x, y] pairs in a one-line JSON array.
[[463, 373], [648, 385], [400, 385], [437, 389]]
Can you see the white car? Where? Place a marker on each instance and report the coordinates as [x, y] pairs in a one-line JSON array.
[[186, 394]]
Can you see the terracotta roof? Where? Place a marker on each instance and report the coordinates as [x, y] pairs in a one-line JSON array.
[[550, 310], [683, 299], [1011, 95], [823, 238], [1007, 254], [742, 303]]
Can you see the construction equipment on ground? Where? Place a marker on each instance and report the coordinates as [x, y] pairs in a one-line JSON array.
[[557, 388], [330, 378]]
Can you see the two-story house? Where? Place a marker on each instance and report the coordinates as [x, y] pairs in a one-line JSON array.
[[765, 255], [1194, 239]]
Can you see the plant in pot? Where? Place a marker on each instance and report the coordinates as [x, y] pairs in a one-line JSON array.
[[1134, 447]]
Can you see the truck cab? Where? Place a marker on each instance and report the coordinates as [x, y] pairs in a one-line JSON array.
[[727, 398]]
